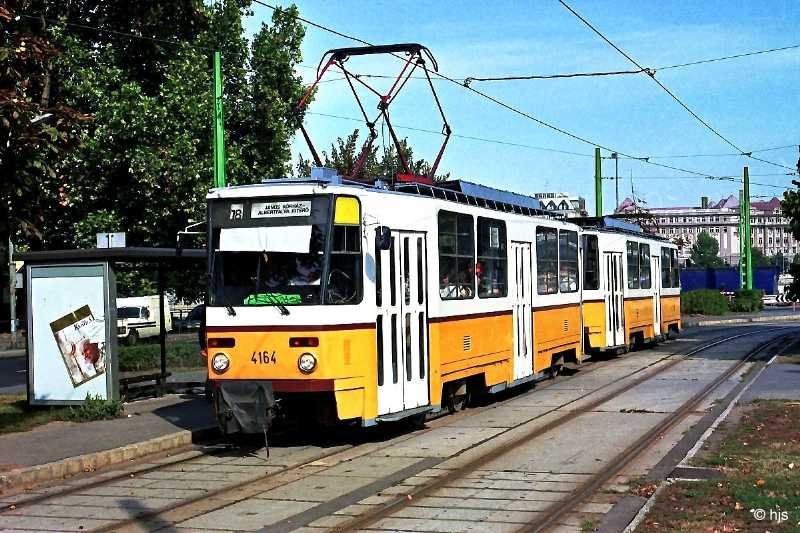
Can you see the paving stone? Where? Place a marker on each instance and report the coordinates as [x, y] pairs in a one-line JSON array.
[[377, 467], [38, 523], [80, 511], [508, 484], [444, 526], [355, 509], [595, 508], [503, 416], [248, 515], [482, 503], [318, 488], [442, 442], [184, 484], [112, 501]]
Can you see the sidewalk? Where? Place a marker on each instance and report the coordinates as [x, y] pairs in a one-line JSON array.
[[780, 314], [62, 448]]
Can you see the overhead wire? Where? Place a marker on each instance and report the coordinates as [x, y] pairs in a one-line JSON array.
[[725, 58], [666, 89]]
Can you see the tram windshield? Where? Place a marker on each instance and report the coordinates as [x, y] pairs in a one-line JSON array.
[[282, 260]]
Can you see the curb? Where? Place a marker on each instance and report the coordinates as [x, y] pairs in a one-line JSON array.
[[93, 461], [722, 321], [11, 354]]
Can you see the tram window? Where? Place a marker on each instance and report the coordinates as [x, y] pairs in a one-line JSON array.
[[633, 264], [420, 272], [344, 273], [392, 281], [456, 256], [378, 277], [644, 266], [394, 348], [409, 362], [676, 271], [546, 260], [379, 334], [568, 261], [492, 266], [406, 271], [666, 268], [421, 324], [591, 263]]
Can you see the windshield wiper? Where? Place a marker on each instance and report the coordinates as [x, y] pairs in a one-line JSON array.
[[231, 310], [275, 303]]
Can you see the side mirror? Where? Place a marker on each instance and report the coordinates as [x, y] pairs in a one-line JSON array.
[[383, 238]]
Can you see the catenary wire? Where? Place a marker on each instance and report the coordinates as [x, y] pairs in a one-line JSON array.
[[666, 89]]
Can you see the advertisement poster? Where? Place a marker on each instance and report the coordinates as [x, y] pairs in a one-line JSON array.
[[69, 335], [81, 339]]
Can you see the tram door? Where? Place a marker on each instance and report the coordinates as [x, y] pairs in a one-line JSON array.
[[401, 324], [614, 299], [521, 302], [655, 263]]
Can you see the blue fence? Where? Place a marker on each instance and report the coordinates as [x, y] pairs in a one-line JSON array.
[[727, 279]]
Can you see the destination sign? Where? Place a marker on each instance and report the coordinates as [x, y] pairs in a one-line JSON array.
[[280, 209]]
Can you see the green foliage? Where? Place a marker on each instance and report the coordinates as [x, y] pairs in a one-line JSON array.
[[705, 251], [344, 155], [94, 408], [790, 205], [142, 357], [747, 301], [758, 258], [129, 143], [704, 302]]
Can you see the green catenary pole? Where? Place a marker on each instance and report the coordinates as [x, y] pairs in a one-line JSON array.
[[598, 184], [742, 262], [219, 128], [748, 250]]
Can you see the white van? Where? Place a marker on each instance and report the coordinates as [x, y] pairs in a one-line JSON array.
[[138, 318]]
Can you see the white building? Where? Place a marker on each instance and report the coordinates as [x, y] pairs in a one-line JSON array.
[[770, 229], [571, 206]]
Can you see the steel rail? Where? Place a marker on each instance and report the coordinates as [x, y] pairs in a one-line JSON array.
[[555, 512], [125, 473], [370, 517]]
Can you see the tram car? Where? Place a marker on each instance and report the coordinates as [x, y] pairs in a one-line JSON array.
[[372, 303], [631, 291]]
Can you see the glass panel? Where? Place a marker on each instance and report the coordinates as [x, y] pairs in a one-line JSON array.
[[633, 265], [591, 263], [644, 266], [378, 278], [379, 333], [546, 260], [408, 346], [666, 268], [392, 280], [456, 256], [406, 271], [394, 348], [492, 266], [421, 326], [568, 261], [420, 273]]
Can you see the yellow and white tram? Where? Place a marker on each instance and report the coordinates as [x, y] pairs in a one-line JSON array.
[[631, 292], [348, 301]]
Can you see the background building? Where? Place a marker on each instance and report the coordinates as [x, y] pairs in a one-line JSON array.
[[571, 206], [682, 225]]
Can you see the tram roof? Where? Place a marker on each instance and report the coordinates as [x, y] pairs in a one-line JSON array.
[[459, 191], [610, 223]]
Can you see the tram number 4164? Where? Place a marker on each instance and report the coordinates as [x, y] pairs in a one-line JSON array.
[[264, 358]]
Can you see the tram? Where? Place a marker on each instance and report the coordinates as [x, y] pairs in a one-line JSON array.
[[344, 299]]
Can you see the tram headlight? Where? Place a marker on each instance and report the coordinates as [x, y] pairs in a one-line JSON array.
[[307, 363], [220, 363]]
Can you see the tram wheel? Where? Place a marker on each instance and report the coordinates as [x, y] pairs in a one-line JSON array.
[[457, 397]]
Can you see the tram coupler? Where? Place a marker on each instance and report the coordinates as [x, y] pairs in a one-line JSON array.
[[244, 406]]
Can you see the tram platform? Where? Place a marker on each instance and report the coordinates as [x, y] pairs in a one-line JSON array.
[[61, 449]]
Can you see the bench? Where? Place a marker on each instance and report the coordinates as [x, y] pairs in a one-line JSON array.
[[133, 378]]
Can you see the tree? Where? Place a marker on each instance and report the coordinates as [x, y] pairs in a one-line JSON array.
[[143, 163], [758, 259], [344, 154], [705, 251]]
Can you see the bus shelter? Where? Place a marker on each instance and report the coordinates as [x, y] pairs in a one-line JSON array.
[[71, 313]]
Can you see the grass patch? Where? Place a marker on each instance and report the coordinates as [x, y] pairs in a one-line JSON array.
[[704, 302], [16, 415], [761, 459], [588, 525], [148, 357]]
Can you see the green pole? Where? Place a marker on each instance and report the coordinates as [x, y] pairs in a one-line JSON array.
[[742, 262], [219, 128], [598, 184], [748, 241]]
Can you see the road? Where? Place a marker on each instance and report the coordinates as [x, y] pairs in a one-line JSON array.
[[13, 375], [498, 467]]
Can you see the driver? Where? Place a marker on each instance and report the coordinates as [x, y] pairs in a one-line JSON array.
[[307, 270]]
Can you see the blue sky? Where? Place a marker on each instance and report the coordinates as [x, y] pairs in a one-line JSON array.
[[752, 101]]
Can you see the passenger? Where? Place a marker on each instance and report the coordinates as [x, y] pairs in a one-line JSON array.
[[447, 290]]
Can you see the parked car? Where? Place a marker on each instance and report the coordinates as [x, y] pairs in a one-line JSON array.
[[138, 318]]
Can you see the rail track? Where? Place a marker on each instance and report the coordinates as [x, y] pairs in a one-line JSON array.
[[559, 509], [229, 494]]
